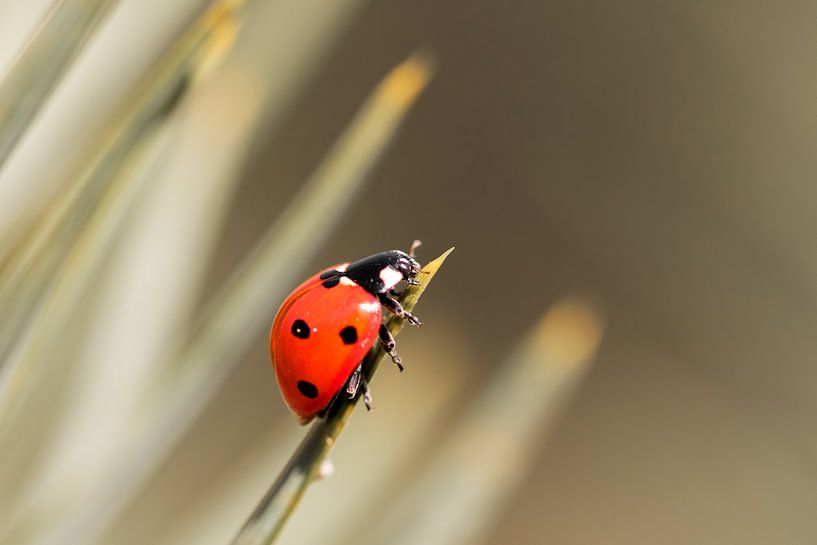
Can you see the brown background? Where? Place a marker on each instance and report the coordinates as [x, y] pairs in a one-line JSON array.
[[658, 156]]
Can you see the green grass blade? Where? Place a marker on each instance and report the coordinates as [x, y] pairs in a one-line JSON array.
[[268, 519]]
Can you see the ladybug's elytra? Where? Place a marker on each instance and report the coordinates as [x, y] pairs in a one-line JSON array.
[[327, 325]]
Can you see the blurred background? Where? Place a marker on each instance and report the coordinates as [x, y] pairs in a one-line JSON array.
[[651, 159]]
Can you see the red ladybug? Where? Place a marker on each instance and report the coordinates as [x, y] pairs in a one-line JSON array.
[[327, 325]]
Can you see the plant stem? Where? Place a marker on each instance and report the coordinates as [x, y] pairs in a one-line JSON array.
[[269, 517]]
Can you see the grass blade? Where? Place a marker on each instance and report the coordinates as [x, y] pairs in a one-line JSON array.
[[46, 58], [44, 283], [274, 510], [249, 299], [29, 273], [491, 450], [28, 268]]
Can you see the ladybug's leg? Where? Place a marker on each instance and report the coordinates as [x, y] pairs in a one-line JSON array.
[[354, 382], [396, 309], [367, 394], [358, 381], [388, 345]]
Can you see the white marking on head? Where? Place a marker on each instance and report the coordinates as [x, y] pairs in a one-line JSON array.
[[390, 277], [342, 268], [347, 281]]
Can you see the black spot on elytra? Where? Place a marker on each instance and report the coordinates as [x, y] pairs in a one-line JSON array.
[[348, 334], [308, 389], [300, 329], [332, 282]]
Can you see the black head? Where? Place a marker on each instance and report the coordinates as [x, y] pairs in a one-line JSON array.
[[379, 273], [406, 265]]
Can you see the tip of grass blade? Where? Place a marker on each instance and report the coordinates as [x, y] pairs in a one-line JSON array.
[[432, 266], [408, 79], [412, 293], [570, 331]]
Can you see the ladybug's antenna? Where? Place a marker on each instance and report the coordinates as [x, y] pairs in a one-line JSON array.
[[414, 245]]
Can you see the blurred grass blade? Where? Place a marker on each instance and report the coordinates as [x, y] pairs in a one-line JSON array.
[[32, 407], [235, 315], [28, 273], [489, 454], [279, 503], [44, 60], [247, 304], [70, 245]]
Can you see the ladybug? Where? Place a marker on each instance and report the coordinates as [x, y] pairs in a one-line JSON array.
[[327, 325]]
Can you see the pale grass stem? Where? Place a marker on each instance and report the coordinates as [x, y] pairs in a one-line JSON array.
[[66, 228], [490, 450], [26, 86], [247, 303]]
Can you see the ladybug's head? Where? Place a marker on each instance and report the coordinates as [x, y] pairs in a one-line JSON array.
[[406, 265], [379, 273]]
